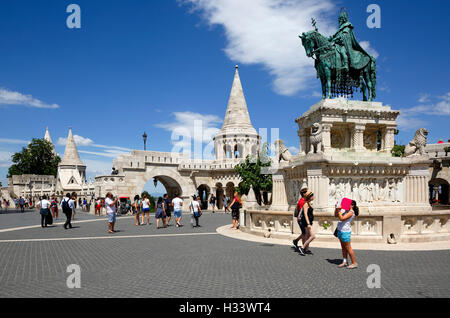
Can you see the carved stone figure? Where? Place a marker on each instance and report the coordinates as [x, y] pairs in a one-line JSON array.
[[332, 192], [363, 191], [355, 191], [391, 188], [382, 192], [315, 140], [283, 152], [417, 145]]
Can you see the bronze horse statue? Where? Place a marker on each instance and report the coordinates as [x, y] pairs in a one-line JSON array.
[[337, 80]]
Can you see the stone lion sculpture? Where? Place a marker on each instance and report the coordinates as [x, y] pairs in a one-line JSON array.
[[417, 145], [283, 152], [315, 140]]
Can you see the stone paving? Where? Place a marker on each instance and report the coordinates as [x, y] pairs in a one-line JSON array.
[[195, 262]]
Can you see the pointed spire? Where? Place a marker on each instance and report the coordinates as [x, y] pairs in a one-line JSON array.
[[47, 136], [49, 139], [71, 157], [237, 115]]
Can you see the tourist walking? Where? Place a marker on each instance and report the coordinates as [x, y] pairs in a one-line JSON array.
[[67, 206], [137, 206], [22, 204], [168, 208], [236, 204], [44, 207], [226, 200], [299, 213], [212, 201], [54, 207], [177, 204], [5, 204], [98, 206], [85, 205], [145, 209], [196, 211], [111, 208], [344, 233], [160, 212], [306, 222]]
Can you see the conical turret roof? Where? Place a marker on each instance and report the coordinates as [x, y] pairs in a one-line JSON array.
[[47, 136], [237, 117], [71, 156]]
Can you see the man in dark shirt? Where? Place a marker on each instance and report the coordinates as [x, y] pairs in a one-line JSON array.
[[168, 206]]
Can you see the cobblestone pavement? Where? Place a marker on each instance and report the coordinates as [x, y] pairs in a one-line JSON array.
[[195, 262]]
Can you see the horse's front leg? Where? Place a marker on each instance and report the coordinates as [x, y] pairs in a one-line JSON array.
[[363, 87]]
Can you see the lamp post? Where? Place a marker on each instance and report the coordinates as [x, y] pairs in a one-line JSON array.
[[144, 136], [155, 182]]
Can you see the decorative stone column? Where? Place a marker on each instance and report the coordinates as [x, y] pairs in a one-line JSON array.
[[358, 137], [279, 196], [303, 147], [389, 140], [326, 136]]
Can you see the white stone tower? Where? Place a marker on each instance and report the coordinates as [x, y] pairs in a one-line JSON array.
[[71, 170], [237, 138], [49, 139]]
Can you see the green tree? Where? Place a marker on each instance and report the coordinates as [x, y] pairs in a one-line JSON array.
[[250, 173], [37, 158], [398, 150]]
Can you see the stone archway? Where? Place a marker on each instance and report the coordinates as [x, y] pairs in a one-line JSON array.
[[203, 192], [439, 191], [220, 194]]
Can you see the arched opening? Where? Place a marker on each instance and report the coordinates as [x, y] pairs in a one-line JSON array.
[[203, 192], [227, 152], [238, 151], [254, 150], [160, 185], [439, 194], [220, 194], [230, 190]]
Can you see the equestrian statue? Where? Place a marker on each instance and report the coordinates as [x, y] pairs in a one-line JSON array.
[[341, 63]]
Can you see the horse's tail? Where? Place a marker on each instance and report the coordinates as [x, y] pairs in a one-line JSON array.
[[373, 75]]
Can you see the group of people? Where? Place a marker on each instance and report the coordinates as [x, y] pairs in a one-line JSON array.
[[226, 203], [305, 218], [49, 210]]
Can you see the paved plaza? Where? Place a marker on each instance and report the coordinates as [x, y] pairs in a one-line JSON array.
[[185, 262]]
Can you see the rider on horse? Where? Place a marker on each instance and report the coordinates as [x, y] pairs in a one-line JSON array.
[[347, 45]]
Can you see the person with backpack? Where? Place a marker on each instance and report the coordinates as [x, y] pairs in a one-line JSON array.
[[22, 204], [236, 204], [44, 207], [344, 233], [67, 206], [297, 214], [306, 222]]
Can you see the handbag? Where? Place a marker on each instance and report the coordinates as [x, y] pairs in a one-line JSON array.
[[48, 218], [335, 232], [196, 214]]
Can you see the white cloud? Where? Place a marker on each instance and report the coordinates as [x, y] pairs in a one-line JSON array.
[[8, 97], [189, 128], [98, 167], [366, 46], [13, 141], [409, 123], [424, 98], [5, 159], [79, 141], [266, 32]]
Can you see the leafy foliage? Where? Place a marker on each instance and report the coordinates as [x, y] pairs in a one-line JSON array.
[[250, 173], [398, 150], [37, 158]]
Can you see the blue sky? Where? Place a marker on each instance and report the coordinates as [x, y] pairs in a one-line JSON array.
[[138, 66]]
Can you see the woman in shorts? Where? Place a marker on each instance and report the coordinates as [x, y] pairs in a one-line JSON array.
[[306, 222], [235, 206], [344, 233], [145, 210]]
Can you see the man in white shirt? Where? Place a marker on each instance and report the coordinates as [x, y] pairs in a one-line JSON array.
[[68, 206], [111, 207], [44, 207], [177, 204]]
